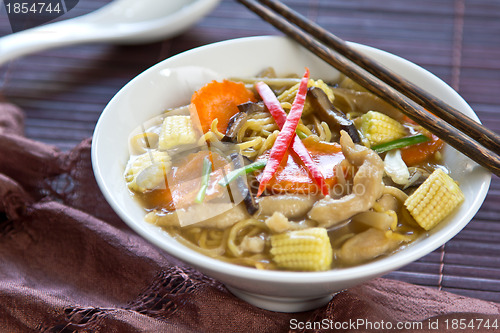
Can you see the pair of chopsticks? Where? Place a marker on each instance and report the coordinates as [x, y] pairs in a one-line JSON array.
[[480, 144]]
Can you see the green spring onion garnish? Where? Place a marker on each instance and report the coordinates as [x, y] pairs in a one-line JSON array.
[[400, 143], [205, 176], [242, 171]]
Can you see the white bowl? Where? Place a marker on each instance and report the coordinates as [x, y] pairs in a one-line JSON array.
[[168, 84]]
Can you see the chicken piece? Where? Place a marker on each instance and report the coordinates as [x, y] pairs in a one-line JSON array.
[[365, 246], [223, 215], [253, 244], [367, 186], [290, 205], [278, 223], [389, 202]]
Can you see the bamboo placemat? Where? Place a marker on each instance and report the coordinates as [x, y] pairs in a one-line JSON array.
[[63, 92]]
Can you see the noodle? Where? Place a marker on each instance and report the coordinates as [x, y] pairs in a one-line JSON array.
[[258, 261], [234, 235], [304, 129], [254, 143], [395, 192], [288, 96], [260, 139], [215, 130], [203, 239], [216, 252], [326, 131], [269, 142], [253, 136], [394, 216]]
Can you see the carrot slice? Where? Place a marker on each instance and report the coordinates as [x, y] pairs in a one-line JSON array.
[[219, 100], [157, 199], [184, 183], [416, 154], [419, 153]]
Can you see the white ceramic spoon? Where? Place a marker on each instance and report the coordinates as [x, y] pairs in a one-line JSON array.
[[122, 21]]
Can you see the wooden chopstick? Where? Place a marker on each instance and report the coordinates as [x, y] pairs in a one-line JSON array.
[[438, 107], [463, 143]]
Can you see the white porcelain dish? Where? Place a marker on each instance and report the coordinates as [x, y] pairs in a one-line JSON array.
[[167, 85]]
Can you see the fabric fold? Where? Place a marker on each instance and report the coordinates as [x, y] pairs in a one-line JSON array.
[[11, 119], [13, 198]]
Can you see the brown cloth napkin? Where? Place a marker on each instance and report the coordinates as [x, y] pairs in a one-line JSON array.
[[69, 264]]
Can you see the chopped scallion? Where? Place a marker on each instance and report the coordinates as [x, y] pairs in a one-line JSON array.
[[205, 176], [400, 143], [242, 171]]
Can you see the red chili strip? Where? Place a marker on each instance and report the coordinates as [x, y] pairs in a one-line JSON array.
[[279, 115], [272, 103], [287, 136]]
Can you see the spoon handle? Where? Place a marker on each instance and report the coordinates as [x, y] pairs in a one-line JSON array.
[[44, 37]]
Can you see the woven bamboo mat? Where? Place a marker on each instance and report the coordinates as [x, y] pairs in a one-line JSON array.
[[63, 92]]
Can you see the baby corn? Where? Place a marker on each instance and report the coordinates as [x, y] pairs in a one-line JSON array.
[[147, 171], [437, 197], [302, 250], [175, 131], [380, 128]]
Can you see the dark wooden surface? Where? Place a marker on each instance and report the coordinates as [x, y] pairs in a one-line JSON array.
[[64, 90]]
